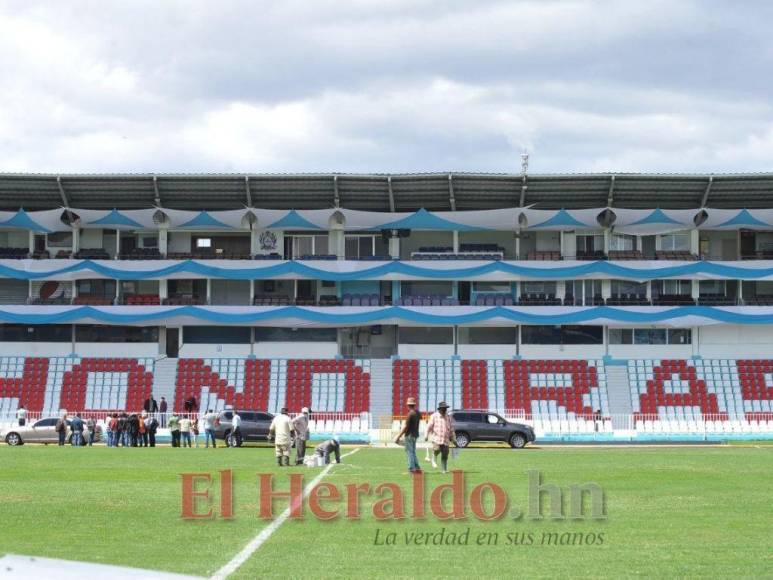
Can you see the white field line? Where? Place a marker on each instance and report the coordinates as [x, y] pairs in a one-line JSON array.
[[264, 534]]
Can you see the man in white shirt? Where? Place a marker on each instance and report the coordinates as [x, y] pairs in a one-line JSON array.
[[281, 431], [209, 428], [301, 428], [236, 430], [21, 416]]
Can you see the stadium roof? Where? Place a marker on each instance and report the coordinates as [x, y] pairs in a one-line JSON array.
[[384, 192]]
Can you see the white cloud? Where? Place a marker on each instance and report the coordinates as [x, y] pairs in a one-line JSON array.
[[385, 86]]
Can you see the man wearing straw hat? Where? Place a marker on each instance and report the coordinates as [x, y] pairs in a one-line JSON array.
[[441, 427], [411, 433]]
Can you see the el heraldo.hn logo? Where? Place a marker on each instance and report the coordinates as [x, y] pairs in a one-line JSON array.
[[209, 496]]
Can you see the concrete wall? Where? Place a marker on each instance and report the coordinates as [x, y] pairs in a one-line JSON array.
[[425, 350]]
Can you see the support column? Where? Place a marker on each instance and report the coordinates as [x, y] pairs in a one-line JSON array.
[[209, 290], [695, 242], [561, 289], [163, 241], [117, 244], [649, 290], [607, 239], [695, 340], [695, 289], [72, 339], [740, 292], [252, 292], [518, 246], [254, 242], [162, 340], [606, 289], [394, 247], [76, 240], [395, 290], [29, 292], [163, 290], [455, 241], [31, 242], [117, 291]]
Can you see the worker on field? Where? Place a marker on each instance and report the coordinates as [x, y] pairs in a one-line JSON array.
[[325, 448], [236, 429], [411, 433], [301, 428], [281, 431], [441, 427], [21, 416]]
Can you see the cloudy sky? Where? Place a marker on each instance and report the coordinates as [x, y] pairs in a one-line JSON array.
[[385, 86]]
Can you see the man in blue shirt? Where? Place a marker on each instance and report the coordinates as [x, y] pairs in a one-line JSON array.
[[76, 425]]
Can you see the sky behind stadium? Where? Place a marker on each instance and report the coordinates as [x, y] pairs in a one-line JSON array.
[[398, 86]]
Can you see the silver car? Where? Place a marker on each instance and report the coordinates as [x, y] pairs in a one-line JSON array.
[[42, 431]]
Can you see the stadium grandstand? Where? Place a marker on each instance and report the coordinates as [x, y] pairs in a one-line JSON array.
[[595, 307]]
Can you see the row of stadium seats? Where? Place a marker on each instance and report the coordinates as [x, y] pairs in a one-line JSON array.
[[270, 384], [690, 389], [45, 385], [677, 391], [575, 388]]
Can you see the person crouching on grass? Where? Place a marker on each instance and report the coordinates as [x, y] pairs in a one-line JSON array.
[[441, 426], [411, 433], [281, 431]]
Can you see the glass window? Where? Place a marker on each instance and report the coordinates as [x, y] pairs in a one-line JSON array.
[[351, 248], [589, 243], [679, 336], [96, 333], [620, 336], [538, 288], [409, 288], [426, 335], [38, 333], [562, 334], [278, 334], [366, 246], [203, 242], [713, 287], [676, 287], [320, 246], [649, 336], [487, 335], [628, 287], [382, 247], [491, 287], [303, 246], [675, 242], [622, 243], [59, 240]]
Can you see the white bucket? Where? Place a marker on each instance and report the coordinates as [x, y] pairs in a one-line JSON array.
[[320, 461]]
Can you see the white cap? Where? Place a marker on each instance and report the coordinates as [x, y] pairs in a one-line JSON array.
[[335, 438], [305, 410]]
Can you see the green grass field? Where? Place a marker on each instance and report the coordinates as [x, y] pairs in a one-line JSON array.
[[677, 511]]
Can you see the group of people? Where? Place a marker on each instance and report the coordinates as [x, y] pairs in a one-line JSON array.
[[440, 428], [131, 430], [184, 430], [82, 431], [287, 432]]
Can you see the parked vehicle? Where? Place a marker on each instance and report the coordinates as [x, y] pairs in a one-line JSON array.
[[486, 426], [255, 425], [42, 431]]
